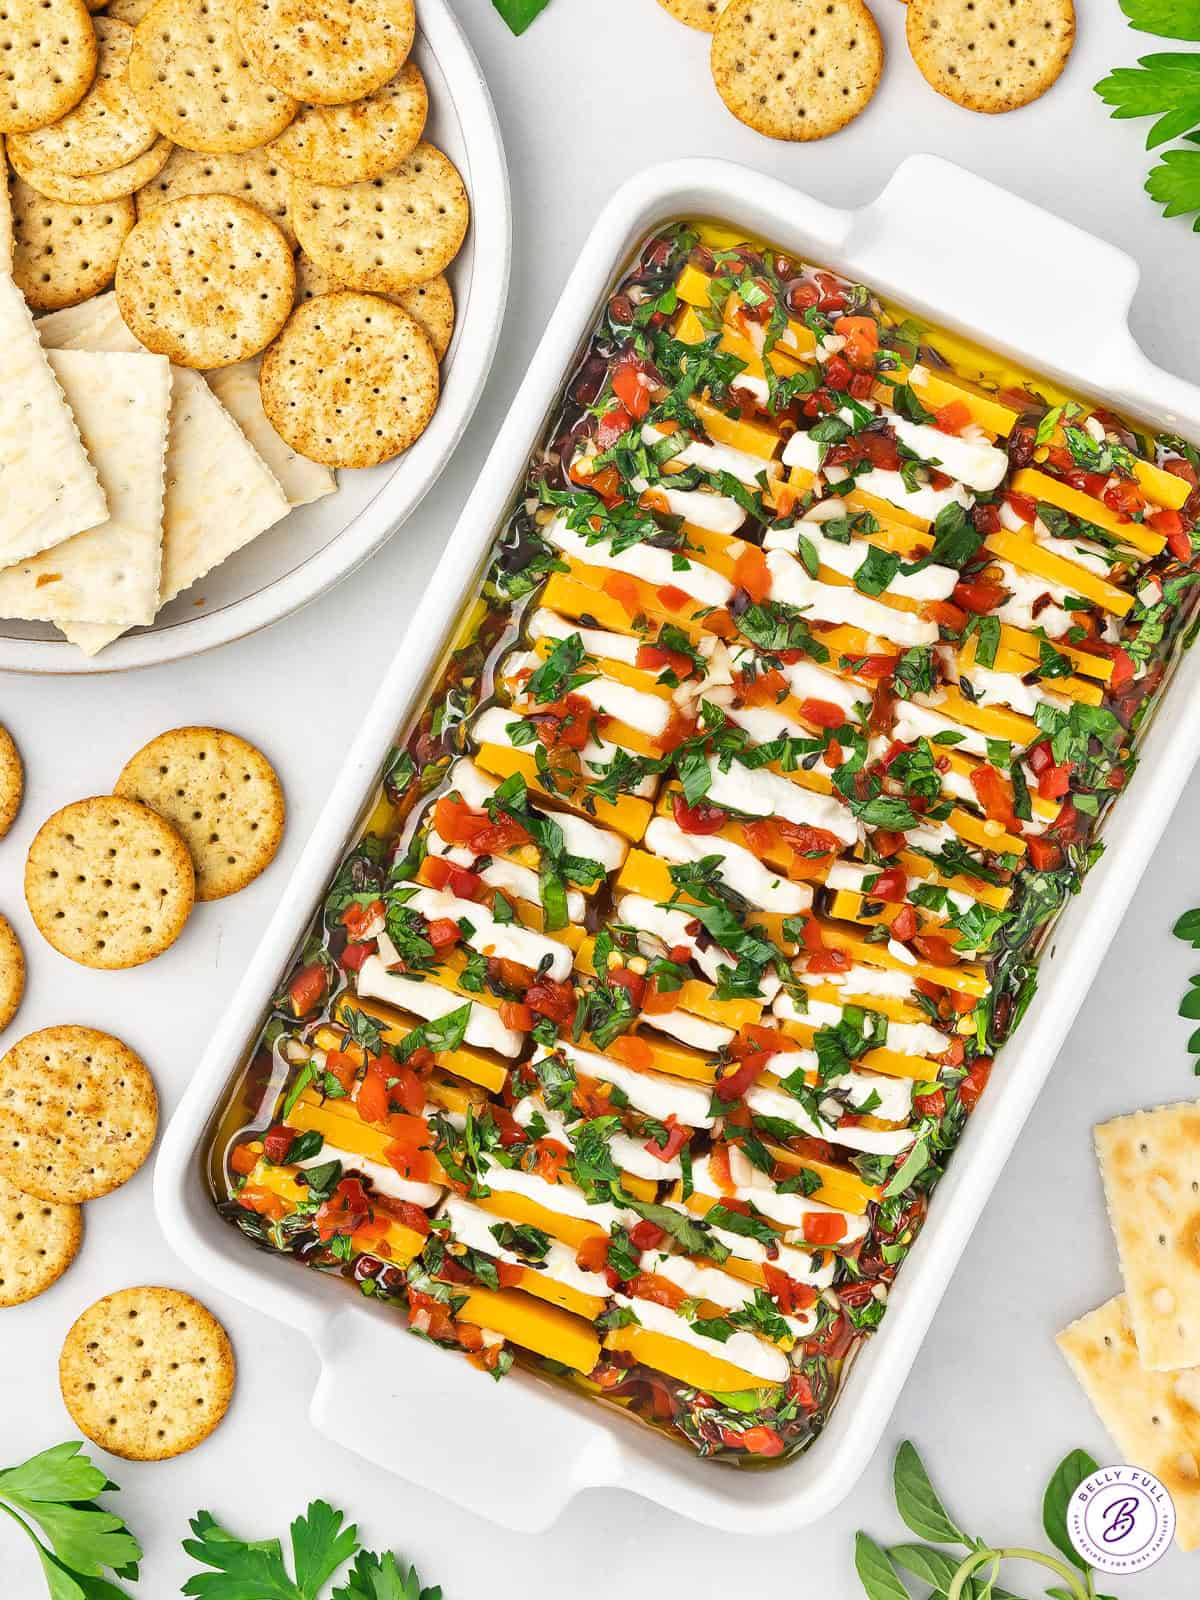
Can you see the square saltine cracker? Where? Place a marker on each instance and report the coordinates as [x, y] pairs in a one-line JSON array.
[[1153, 1417], [1150, 1164]]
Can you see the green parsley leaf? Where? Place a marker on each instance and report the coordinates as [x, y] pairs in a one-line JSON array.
[[1164, 85]]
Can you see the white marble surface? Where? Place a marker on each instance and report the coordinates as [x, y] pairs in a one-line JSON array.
[[595, 90]]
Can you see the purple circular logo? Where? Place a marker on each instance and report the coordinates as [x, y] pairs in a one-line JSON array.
[[1121, 1520]]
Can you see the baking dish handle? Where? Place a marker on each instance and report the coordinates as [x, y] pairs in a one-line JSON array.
[[1038, 283], [512, 1448]]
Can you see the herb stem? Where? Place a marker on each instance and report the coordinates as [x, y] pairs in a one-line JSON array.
[[981, 1558]]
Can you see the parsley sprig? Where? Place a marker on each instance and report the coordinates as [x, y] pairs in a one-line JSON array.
[[321, 1544], [52, 1497], [1187, 928], [1166, 86]]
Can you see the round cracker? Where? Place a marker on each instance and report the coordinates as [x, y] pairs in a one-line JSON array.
[[326, 52], [39, 1239], [205, 279], [146, 1373], [78, 1114], [990, 55], [48, 56], [390, 233], [701, 14], [431, 304], [108, 882], [796, 69], [195, 82], [63, 254], [12, 780], [108, 127], [252, 175], [351, 381], [12, 972], [105, 186], [220, 793], [354, 143]]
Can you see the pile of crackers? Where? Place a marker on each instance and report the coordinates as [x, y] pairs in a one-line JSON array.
[[1138, 1356], [803, 69], [250, 178], [147, 1372]]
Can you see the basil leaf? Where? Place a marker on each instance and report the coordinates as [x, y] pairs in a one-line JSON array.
[[1066, 1478], [876, 1573], [918, 1503]]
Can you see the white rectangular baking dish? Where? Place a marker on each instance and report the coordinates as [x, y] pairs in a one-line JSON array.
[[943, 242]]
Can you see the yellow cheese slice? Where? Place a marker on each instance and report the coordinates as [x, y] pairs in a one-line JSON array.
[[1041, 486], [628, 814], [544, 1329], [693, 995], [1033, 557], [475, 1066], [682, 1361]]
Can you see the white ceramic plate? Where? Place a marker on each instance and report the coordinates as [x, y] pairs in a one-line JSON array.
[[316, 546], [965, 253]]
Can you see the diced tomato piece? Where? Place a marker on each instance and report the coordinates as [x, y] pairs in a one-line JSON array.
[[822, 713], [1182, 468], [466, 885], [936, 949], [904, 924], [718, 1167], [1123, 664], [265, 1202], [634, 1052], [677, 1137], [761, 835], [979, 595], [647, 1235], [995, 796], [761, 1441], [550, 998], [277, 1141], [307, 989], [1044, 854], [930, 1105], [733, 1085], [242, 1160], [953, 418], [516, 1015], [357, 919], [633, 984], [457, 822], [789, 1294], [673, 597], [837, 373], [657, 658], [1024, 505], [681, 725], [443, 933], [1124, 497], [592, 1254], [886, 843], [354, 955], [986, 520], [862, 340], [1171, 525], [371, 1100], [631, 388], [822, 1227], [620, 587], [875, 667], [611, 426], [346, 1209], [945, 615], [700, 818], [880, 449], [831, 293], [1054, 781], [761, 688], [550, 1158], [975, 1082], [343, 1065], [890, 885], [435, 871]]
